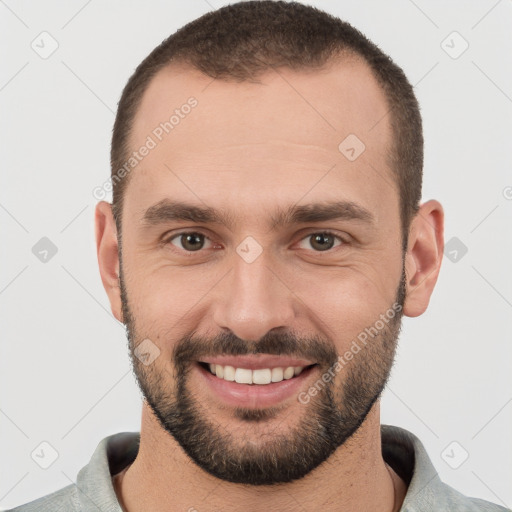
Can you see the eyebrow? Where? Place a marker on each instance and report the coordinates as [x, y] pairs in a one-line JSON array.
[[168, 210]]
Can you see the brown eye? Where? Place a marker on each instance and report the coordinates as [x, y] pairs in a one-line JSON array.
[[321, 242], [190, 242]]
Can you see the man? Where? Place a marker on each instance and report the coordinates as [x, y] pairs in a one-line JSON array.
[[264, 240]]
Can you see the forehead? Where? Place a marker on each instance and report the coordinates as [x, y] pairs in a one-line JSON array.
[[241, 139], [341, 98]]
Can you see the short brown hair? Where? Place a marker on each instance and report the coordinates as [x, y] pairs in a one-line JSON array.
[[241, 41]]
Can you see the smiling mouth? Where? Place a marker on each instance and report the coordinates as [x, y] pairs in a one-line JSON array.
[[260, 376]]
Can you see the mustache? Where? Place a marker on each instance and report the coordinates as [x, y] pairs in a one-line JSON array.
[[192, 348]]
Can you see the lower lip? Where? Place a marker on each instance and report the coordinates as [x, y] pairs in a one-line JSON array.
[[255, 396]]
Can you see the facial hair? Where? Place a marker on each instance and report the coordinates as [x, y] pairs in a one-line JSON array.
[[325, 423]]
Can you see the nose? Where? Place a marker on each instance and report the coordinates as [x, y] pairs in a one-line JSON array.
[[253, 299]]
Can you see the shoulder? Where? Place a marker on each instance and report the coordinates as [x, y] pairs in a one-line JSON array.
[[426, 492], [454, 501], [449, 499], [64, 499], [93, 489]]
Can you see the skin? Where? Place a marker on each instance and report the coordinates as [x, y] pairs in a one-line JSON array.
[[249, 148]]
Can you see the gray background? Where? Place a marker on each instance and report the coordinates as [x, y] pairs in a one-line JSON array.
[[65, 376]]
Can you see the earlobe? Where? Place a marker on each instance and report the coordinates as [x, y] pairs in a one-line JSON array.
[[108, 255], [424, 257]]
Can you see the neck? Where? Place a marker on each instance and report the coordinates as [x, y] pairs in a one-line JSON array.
[[354, 478]]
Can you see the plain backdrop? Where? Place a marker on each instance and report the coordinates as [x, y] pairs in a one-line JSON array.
[[65, 376]]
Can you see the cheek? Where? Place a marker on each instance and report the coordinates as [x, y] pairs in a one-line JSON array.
[[166, 299], [347, 300]]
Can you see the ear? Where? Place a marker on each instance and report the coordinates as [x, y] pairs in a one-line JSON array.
[[108, 255], [424, 256]]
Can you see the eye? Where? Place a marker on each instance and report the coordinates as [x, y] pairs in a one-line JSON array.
[[189, 241], [321, 242], [193, 241]]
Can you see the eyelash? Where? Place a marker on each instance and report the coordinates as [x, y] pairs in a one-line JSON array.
[[168, 241]]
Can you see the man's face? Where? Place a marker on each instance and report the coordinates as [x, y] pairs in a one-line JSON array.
[[299, 287]]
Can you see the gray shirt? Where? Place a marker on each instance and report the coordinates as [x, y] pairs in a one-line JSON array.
[[404, 452]]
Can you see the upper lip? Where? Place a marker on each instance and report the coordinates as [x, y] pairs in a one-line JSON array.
[[257, 362]]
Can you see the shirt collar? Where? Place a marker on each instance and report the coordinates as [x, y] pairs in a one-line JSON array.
[[94, 481], [402, 450]]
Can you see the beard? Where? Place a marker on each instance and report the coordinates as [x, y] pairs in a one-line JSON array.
[[325, 423]]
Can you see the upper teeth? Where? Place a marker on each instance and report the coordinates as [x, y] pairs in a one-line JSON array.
[[260, 376]]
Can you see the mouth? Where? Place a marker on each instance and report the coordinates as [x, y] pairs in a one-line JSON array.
[[254, 388]]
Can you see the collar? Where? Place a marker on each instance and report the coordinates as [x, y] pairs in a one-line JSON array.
[[402, 450]]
